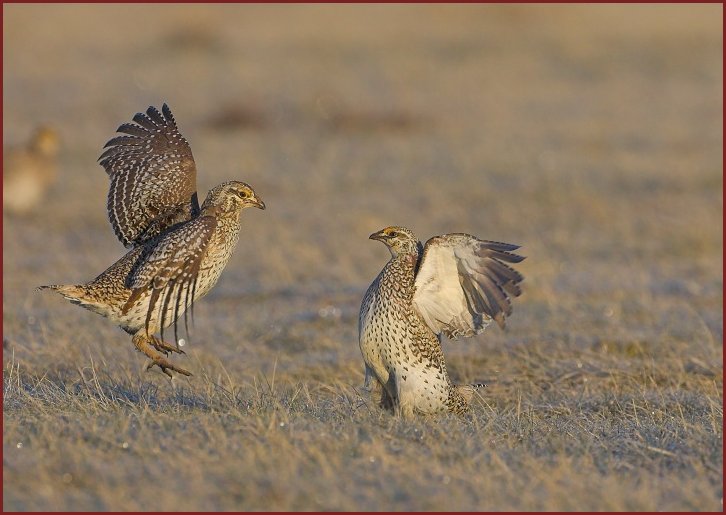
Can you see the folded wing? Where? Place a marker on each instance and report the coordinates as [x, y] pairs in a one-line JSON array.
[[153, 177], [463, 283], [169, 268]]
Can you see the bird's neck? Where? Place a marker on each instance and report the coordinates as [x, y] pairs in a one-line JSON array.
[[228, 223], [401, 270], [218, 211], [209, 209], [225, 240], [408, 258]]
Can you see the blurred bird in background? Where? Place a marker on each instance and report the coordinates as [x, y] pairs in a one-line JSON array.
[[29, 171]]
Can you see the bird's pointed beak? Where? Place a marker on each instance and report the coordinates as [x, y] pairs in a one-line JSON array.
[[380, 235], [259, 203]]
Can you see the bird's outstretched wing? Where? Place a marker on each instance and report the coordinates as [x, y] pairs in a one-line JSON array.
[[153, 177], [169, 267], [463, 283]]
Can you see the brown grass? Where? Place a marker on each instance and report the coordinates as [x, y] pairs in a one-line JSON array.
[[591, 135]]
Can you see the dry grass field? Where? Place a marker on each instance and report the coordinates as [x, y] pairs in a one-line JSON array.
[[589, 134]]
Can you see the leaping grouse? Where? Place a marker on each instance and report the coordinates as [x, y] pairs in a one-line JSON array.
[[178, 250]]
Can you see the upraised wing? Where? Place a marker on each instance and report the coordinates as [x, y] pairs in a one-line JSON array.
[[170, 269], [153, 177], [463, 283]]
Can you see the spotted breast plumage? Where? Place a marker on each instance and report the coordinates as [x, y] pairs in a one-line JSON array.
[[178, 249], [455, 286]]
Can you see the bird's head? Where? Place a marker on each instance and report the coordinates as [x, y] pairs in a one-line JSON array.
[[232, 196], [399, 240]]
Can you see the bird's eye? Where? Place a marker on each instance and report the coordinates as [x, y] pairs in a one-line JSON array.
[[393, 234], [243, 194]]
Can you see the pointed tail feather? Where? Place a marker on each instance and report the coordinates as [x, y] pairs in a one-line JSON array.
[[77, 294], [467, 390], [67, 290]]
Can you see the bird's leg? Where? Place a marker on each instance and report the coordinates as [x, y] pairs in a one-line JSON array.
[[141, 342], [405, 409], [388, 394], [404, 405], [400, 395], [367, 382], [386, 399], [164, 347]]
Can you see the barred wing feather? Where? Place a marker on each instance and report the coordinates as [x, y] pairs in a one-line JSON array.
[[463, 283], [153, 177], [170, 268]]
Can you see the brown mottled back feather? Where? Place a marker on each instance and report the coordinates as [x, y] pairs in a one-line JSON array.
[[170, 267]]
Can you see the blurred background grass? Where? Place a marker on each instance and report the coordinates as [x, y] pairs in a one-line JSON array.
[[589, 134]]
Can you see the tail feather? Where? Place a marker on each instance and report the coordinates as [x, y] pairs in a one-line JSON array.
[[77, 294], [83, 295], [467, 390]]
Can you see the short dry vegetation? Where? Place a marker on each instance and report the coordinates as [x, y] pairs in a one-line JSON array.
[[591, 135]]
